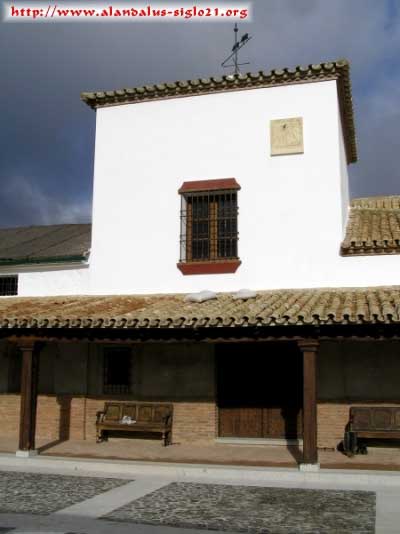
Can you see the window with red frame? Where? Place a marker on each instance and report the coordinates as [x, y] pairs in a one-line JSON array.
[[209, 225]]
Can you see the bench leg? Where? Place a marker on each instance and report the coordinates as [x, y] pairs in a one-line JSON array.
[[346, 443], [362, 448], [349, 447], [167, 438], [350, 443], [98, 436]]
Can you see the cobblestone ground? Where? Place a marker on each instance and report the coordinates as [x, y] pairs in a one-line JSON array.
[[43, 494], [254, 509]]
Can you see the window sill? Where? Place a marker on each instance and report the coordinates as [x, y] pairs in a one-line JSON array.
[[209, 267]]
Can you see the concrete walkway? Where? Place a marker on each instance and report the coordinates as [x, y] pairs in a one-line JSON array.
[[144, 478]]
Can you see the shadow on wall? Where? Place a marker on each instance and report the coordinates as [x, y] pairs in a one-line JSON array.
[[293, 418], [64, 403]]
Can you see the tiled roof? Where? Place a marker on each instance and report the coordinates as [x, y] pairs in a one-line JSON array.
[[336, 70], [268, 308], [44, 244], [373, 226]]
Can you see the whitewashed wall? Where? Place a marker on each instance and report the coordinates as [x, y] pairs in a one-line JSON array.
[[44, 281], [292, 208], [344, 178]]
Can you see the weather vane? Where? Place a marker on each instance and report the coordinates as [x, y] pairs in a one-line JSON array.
[[235, 49]]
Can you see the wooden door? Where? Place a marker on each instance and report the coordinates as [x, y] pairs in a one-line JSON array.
[[259, 390]]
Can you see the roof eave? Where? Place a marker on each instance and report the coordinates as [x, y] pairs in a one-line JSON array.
[[338, 70], [43, 261], [347, 253]]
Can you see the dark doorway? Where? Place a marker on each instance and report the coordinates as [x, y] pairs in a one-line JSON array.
[[260, 393]]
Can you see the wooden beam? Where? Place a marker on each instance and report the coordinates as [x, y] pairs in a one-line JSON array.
[[309, 348], [29, 380], [198, 335]]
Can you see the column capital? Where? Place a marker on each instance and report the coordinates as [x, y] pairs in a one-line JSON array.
[[27, 344], [308, 345]]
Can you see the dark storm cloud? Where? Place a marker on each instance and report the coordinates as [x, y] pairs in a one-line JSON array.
[[47, 134]]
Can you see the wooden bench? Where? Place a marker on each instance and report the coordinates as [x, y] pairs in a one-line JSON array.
[[131, 417], [377, 422]]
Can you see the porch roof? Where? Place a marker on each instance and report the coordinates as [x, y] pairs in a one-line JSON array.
[[323, 306], [57, 243]]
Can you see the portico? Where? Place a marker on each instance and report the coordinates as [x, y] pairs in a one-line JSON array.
[[174, 356]]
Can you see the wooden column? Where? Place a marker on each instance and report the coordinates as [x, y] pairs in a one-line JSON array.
[[29, 379], [309, 348]]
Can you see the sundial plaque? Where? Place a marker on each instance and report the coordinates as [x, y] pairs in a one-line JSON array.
[[287, 136]]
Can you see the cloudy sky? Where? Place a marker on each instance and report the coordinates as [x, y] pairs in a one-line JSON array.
[[47, 133]]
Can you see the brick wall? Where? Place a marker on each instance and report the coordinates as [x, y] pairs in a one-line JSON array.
[[68, 417], [47, 418], [332, 418], [60, 417], [9, 415], [194, 422]]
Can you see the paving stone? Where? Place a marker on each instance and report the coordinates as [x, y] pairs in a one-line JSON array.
[[253, 509], [43, 494]]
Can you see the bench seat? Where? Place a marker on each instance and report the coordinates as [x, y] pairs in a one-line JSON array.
[[142, 416], [370, 422]]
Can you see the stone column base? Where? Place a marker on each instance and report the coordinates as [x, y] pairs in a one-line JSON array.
[[309, 468], [26, 454]]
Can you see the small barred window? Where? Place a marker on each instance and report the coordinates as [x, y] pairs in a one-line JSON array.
[[117, 370], [8, 285]]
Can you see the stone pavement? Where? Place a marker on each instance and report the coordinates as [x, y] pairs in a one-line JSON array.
[[37, 493], [63, 501], [253, 509]]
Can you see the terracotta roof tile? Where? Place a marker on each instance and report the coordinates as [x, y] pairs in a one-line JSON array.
[[268, 308], [373, 227], [336, 70]]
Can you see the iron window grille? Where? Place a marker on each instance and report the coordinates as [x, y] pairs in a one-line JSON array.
[[209, 226], [8, 285], [117, 370]]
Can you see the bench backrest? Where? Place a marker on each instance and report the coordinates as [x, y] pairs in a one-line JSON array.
[[379, 418], [142, 412]]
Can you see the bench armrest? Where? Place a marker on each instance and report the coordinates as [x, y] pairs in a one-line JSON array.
[[100, 417]]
